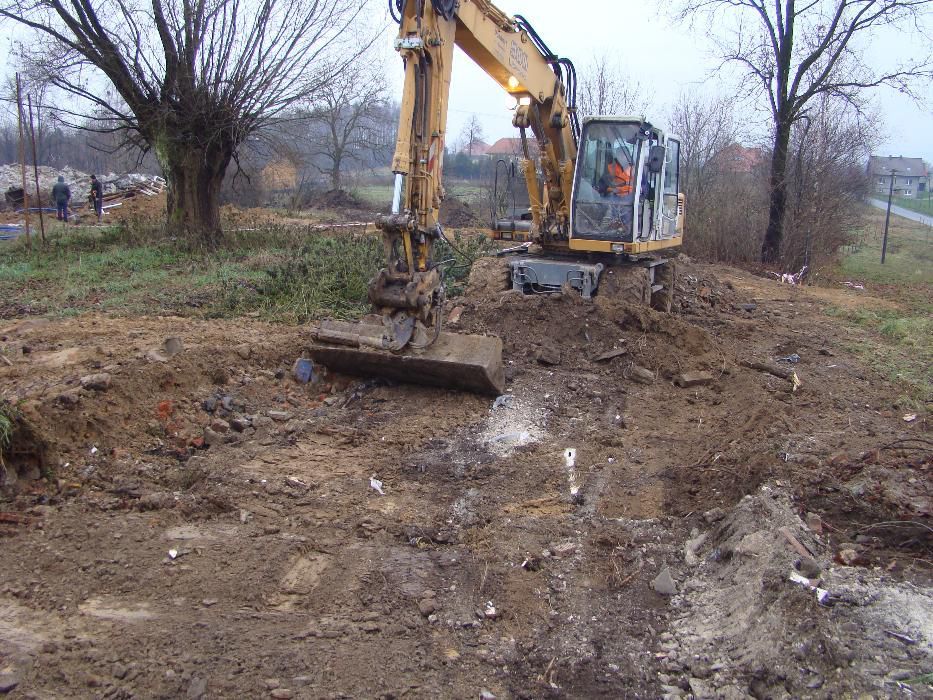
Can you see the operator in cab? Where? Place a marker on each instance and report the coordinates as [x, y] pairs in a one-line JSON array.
[[617, 180]]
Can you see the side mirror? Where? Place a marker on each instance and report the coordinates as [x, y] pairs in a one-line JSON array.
[[656, 158]]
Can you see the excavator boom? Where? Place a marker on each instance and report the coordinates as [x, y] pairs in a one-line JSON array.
[[408, 294]]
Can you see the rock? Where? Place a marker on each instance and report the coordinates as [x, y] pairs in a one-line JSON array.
[[239, 424], [815, 523], [548, 354], [8, 681], [701, 689], [486, 695], [901, 674], [279, 416], [849, 557], [212, 437], [808, 566], [244, 350], [685, 380], [209, 405], [196, 688], [119, 671], [754, 543], [426, 606], [219, 425], [281, 694], [172, 346], [303, 371], [664, 583], [714, 515], [610, 354], [96, 382], [69, 399], [454, 316], [155, 355], [639, 374], [748, 307], [691, 547]]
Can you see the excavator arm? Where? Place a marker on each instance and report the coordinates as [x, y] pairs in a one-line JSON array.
[[409, 289], [408, 293]]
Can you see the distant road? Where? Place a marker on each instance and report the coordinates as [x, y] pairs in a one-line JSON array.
[[906, 213]]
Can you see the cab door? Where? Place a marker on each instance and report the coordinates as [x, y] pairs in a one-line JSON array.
[[669, 195]]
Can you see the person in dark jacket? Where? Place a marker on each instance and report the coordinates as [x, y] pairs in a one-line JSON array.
[[97, 197], [61, 195]]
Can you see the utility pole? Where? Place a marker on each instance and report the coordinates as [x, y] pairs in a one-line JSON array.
[[22, 157], [35, 169], [887, 218]]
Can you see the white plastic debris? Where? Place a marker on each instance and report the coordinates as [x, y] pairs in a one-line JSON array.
[[822, 595], [503, 401], [910, 417], [490, 610], [376, 485], [94, 450], [570, 457], [172, 553]]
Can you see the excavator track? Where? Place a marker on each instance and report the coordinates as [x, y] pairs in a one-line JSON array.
[[466, 362]]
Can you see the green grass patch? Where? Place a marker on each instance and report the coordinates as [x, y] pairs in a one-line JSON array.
[[923, 205], [899, 344], [287, 273], [908, 258]]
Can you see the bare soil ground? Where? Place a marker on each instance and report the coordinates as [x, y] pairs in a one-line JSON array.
[[205, 526]]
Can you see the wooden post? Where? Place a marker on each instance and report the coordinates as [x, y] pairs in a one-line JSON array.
[[22, 157], [35, 170]]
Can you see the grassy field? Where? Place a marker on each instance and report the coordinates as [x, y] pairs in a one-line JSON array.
[[380, 195], [923, 206], [909, 256], [899, 341], [281, 273]]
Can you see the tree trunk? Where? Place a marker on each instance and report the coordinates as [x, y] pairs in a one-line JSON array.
[[777, 207], [194, 178]]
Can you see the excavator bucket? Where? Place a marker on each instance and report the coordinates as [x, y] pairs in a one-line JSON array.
[[466, 362]]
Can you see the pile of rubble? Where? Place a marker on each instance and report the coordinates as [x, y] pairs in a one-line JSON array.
[[116, 186]]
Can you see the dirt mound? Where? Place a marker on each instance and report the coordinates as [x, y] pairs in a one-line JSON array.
[[336, 199], [457, 213], [579, 333], [758, 618]]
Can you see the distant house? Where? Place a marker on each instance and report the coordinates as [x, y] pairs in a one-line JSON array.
[[479, 148], [911, 178], [736, 158], [511, 148]]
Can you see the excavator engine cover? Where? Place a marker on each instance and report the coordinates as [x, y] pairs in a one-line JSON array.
[[466, 362]]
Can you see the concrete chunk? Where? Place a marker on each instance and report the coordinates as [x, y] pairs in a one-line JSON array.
[[686, 380]]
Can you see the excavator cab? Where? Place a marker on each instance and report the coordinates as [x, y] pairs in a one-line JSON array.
[[625, 188]]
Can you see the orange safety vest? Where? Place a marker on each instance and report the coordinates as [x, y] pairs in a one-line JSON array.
[[621, 179]]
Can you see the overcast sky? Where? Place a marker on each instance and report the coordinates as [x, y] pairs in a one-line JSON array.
[[666, 58]]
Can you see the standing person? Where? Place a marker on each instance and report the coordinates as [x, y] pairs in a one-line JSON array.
[[61, 195], [97, 197]]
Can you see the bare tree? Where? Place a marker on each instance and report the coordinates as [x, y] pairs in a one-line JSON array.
[[604, 89], [705, 125], [191, 80], [344, 122], [470, 135], [797, 52]]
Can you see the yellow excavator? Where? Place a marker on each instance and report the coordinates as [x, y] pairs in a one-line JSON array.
[[604, 192]]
